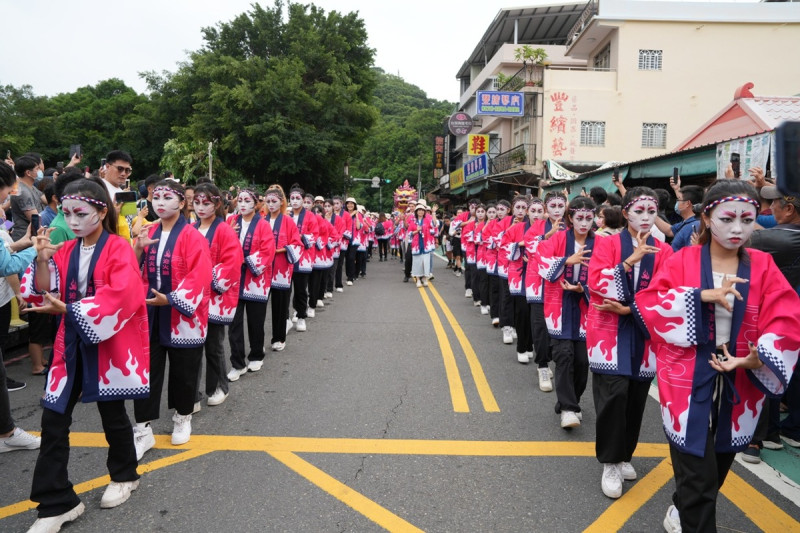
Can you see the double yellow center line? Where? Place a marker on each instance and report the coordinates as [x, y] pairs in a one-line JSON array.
[[457, 394]]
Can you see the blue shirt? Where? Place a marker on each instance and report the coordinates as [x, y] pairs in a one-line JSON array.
[[684, 235], [46, 216]]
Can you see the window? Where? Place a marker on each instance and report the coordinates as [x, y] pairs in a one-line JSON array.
[[602, 61], [495, 86], [649, 59], [593, 133], [654, 135]]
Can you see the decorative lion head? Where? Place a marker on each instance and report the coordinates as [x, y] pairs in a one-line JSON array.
[[402, 195]]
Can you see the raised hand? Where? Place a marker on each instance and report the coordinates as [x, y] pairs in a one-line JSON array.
[[718, 296], [581, 256]]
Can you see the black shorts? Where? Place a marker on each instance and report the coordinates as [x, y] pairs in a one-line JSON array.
[[41, 328], [457, 251]]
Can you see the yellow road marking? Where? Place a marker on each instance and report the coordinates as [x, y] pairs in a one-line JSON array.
[[457, 393], [619, 512], [757, 507], [102, 481], [481, 383], [380, 515]]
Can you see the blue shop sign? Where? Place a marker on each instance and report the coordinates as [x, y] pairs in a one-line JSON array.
[[476, 168], [500, 103]]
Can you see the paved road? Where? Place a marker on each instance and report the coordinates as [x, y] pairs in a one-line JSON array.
[[399, 409]]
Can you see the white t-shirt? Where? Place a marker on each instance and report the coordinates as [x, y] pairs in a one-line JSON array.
[[85, 259], [722, 317], [162, 245], [245, 226]]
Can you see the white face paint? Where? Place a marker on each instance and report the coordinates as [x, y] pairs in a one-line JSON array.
[[204, 208], [536, 211], [308, 203], [556, 208], [273, 203], [166, 203], [520, 208], [337, 205], [328, 209], [582, 220], [642, 215], [81, 217], [502, 211], [491, 213], [732, 223], [295, 200], [480, 214], [246, 204]]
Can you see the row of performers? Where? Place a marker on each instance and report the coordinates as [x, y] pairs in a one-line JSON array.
[[192, 281], [715, 323]]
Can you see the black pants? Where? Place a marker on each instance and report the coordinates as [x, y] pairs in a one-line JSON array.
[[469, 278], [51, 487], [300, 297], [184, 364], [572, 373], [407, 261], [350, 263], [361, 262], [339, 264], [328, 278], [494, 296], [256, 315], [216, 371], [541, 339], [506, 304], [697, 481], [482, 278], [280, 313], [314, 287], [619, 402], [383, 248], [522, 323]]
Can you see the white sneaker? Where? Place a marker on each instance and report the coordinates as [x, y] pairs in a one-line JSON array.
[[254, 366], [530, 355], [197, 407], [484, 309], [236, 373], [19, 440], [349, 283], [294, 317], [672, 522], [495, 322], [301, 324], [419, 283], [320, 304], [181, 429], [545, 384], [278, 346], [52, 524], [508, 338], [579, 414], [425, 281], [310, 313], [627, 471], [569, 420], [468, 293], [477, 304], [339, 289], [522, 357], [513, 332], [328, 295], [549, 372], [289, 326], [118, 493], [143, 439], [218, 397], [612, 481]]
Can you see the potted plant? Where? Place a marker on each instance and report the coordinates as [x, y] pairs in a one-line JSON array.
[[530, 57]]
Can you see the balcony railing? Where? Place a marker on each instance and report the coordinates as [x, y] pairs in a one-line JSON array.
[[524, 154], [521, 78], [589, 11]]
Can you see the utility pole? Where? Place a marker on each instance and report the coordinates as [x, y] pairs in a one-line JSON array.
[[210, 162]]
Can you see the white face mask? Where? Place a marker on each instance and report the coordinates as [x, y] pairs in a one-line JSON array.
[[491, 213], [246, 204], [582, 221], [520, 209], [536, 211], [480, 214], [556, 208], [308, 204], [273, 203], [642, 215], [166, 203], [81, 217], [203, 207], [502, 211], [296, 201], [328, 209], [732, 224]]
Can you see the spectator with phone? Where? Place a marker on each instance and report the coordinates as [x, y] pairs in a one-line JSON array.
[[118, 168]]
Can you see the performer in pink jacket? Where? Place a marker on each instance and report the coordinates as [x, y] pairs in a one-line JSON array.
[[423, 231]]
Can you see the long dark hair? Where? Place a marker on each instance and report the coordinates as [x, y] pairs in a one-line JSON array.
[[93, 188], [580, 202], [722, 189]]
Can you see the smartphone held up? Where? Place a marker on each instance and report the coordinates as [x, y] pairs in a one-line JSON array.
[[787, 158]]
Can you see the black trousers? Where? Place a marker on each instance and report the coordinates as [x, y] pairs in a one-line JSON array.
[[407, 261], [361, 262], [328, 277], [494, 296], [280, 313], [572, 373], [697, 482], [339, 264], [184, 364], [483, 286], [314, 287], [256, 315], [619, 402], [383, 248], [51, 487], [541, 339], [300, 298], [522, 323], [506, 304], [216, 371], [350, 263]]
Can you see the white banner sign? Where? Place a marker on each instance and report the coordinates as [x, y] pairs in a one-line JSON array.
[[753, 152], [559, 173]]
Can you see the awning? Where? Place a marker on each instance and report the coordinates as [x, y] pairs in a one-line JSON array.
[[475, 188]]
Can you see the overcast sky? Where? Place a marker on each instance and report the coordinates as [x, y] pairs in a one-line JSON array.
[[57, 46]]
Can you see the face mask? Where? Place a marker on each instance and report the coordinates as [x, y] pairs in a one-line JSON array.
[[81, 217], [732, 224], [246, 204], [582, 221], [203, 208], [677, 206], [536, 212], [166, 204], [556, 208], [296, 201], [642, 216], [39, 176]]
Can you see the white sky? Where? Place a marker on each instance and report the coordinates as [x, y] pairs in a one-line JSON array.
[[57, 46]]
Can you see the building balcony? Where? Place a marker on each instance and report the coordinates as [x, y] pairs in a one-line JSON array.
[[518, 157], [583, 22]]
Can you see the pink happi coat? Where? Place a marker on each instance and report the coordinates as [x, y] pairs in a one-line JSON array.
[[324, 244], [338, 223], [307, 225], [285, 235], [468, 242], [682, 329], [533, 282], [617, 345], [259, 252], [424, 241], [480, 247], [226, 261], [495, 245], [110, 323], [514, 258]]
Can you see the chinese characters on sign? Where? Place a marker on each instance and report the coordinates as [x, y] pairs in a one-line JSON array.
[[438, 152], [476, 168], [477, 144], [500, 103], [564, 125], [460, 123], [457, 178]]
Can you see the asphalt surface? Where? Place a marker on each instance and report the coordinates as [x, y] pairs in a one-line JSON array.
[[369, 371]]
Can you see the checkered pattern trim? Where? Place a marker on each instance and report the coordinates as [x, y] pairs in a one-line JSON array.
[[692, 305], [620, 282], [677, 439], [306, 241], [50, 398], [292, 253], [215, 285], [125, 392], [741, 441], [254, 267], [602, 366], [88, 334], [647, 374], [180, 342], [180, 304], [554, 272], [276, 285], [637, 317], [214, 318], [254, 297]]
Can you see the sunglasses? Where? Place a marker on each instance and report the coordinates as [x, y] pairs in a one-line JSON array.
[[123, 170]]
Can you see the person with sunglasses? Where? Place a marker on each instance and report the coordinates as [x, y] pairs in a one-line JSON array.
[[116, 171]]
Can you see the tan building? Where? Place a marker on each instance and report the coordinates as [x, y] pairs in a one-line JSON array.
[[633, 79]]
